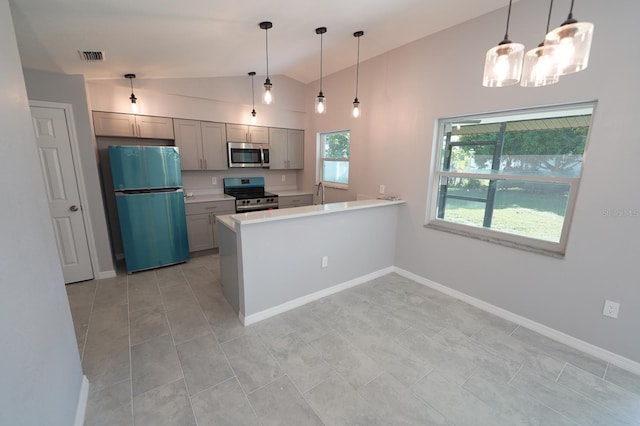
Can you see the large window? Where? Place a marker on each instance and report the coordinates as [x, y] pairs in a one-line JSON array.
[[511, 177], [333, 158]]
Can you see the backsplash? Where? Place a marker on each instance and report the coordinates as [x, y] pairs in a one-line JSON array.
[[201, 182]]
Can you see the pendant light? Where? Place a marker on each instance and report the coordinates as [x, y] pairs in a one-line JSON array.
[[253, 119], [267, 96], [134, 100], [321, 101], [540, 64], [503, 63], [573, 39], [356, 102]]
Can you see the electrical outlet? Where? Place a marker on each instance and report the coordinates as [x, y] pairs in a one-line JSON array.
[[325, 261], [214, 181], [381, 189], [611, 309], [284, 178]]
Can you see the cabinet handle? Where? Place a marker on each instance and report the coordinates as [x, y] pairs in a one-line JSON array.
[[210, 208], [133, 129], [209, 219], [139, 131], [247, 137], [205, 164]]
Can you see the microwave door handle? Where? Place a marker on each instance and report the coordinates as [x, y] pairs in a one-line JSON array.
[[262, 157]]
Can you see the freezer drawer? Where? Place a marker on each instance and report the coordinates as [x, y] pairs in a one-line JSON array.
[[153, 228]]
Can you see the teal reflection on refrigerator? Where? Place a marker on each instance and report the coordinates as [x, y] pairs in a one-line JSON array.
[[150, 202]]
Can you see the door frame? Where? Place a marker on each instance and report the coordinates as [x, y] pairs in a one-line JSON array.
[[77, 164]]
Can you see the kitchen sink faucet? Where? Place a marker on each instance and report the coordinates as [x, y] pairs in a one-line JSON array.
[[320, 187]]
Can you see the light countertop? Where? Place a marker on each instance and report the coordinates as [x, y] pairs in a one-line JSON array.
[[233, 220]]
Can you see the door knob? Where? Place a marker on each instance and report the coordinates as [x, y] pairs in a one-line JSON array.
[[73, 208]]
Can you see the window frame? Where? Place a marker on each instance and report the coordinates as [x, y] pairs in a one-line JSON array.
[[321, 159], [491, 235]]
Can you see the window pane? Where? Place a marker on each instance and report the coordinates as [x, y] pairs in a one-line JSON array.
[[470, 159], [531, 209], [336, 145], [464, 202], [335, 171]]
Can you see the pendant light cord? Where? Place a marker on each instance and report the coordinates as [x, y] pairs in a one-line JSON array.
[[506, 31], [266, 44], [549, 17], [357, 67], [253, 99], [321, 35], [571, 10]]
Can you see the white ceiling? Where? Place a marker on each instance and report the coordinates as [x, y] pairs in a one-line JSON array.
[[198, 38]]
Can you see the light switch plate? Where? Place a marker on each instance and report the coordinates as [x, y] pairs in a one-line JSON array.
[[214, 181]]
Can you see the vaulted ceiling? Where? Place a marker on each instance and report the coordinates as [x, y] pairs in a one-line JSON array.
[[198, 38]]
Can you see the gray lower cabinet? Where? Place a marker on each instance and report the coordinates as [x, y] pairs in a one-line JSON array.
[[201, 222], [294, 200]]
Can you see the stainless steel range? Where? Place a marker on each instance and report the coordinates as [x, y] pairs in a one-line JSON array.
[[250, 194]]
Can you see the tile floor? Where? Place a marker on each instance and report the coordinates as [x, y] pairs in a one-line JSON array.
[[163, 347]]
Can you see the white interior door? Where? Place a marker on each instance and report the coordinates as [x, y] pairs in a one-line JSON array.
[[56, 162]]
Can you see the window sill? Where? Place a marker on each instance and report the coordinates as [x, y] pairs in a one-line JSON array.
[[507, 240], [335, 186]]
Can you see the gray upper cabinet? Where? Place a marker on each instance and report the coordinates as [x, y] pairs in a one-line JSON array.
[[286, 149], [202, 144], [243, 133], [132, 126]]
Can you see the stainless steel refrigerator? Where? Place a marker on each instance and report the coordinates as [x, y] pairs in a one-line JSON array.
[[148, 189]]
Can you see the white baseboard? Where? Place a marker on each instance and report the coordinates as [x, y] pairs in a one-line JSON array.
[[295, 303], [549, 332], [106, 274], [83, 398]]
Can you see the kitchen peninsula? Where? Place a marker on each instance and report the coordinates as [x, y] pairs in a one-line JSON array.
[[275, 260]]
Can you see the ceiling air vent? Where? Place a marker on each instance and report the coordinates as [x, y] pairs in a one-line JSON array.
[[91, 55]]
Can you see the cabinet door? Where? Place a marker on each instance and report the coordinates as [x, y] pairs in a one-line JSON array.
[[113, 124], [258, 134], [154, 127], [200, 231], [295, 149], [189, 141], [277, 149], [214, 146], [237, 133]]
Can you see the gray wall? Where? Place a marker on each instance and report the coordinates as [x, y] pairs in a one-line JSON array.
[[70, 89], [402, 94], [39, 364]]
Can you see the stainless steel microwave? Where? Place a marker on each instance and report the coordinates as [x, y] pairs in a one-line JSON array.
[[242, 154]]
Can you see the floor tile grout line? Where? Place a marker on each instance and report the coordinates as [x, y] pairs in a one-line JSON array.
[[516, 375], [175, 348], [561, 371], [208, 388], [130, 357], [86, 335], [606, 369]]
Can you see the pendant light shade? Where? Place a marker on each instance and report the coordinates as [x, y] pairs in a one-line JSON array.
[[503, 63], [573, 39], [267, 96], [540, 64], [132, 98], [321, 101], [356, 102], [253, 118], [540, 67]]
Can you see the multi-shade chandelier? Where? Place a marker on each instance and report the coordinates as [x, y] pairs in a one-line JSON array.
[[565, 50]]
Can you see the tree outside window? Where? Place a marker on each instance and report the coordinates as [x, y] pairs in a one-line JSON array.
[[333, 158]]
